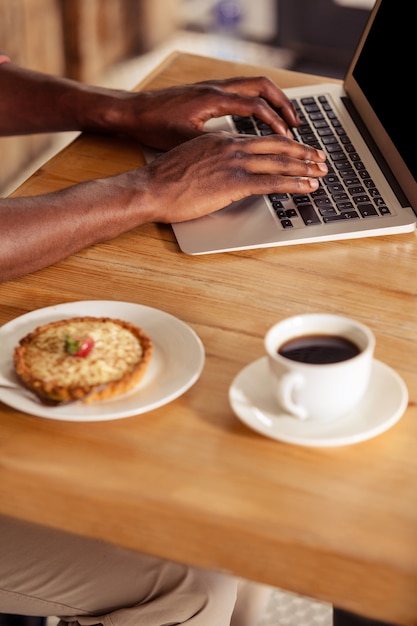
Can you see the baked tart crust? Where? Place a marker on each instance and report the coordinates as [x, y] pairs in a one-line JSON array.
[[116, 363]]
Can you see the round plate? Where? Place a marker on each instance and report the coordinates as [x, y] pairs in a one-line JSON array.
[[253, 402], [176, 363]]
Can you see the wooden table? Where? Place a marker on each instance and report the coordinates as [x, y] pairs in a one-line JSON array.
[[189, 481]]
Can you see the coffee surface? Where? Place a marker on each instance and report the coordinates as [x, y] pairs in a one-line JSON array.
[[319, 349]]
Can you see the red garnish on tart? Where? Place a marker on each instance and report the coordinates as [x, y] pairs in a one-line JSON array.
[[78, 347]]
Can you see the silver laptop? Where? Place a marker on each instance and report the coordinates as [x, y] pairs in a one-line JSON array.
[[370, 138]]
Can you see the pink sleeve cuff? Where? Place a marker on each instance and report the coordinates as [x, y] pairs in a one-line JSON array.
[[4, 59]]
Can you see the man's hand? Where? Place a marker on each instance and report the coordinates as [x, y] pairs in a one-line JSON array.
[[215, 169], [164, 118]]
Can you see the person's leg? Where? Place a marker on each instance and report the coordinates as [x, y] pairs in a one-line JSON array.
[[252, 599], [46, 572]]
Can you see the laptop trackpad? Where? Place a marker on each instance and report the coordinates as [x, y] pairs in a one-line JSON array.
[[242, 224]]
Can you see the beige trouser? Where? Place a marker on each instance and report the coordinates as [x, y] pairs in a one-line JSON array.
[[45, 572]]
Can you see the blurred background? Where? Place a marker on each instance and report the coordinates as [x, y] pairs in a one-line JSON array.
[[116, 42]]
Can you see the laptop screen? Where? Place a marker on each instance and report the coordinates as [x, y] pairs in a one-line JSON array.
[[379, 83], [383, 70]]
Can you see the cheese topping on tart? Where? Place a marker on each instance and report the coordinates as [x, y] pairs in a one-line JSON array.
[[116, 350], [83, 358]]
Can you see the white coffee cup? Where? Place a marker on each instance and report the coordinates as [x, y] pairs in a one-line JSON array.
[[323, 392]]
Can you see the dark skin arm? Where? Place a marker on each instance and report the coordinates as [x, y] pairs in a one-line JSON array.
[[32, 102], [192, 179]]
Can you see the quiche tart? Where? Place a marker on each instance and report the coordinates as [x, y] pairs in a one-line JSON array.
[[82, 358]]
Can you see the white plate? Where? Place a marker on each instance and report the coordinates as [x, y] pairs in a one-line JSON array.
[[176, 363], [253, 402]]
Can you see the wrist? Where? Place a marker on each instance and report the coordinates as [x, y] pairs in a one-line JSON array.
[[132, 192], [107, 110]]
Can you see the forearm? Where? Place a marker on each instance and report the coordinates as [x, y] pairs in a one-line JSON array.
[[191, 180], [41, 230], [33, 102]]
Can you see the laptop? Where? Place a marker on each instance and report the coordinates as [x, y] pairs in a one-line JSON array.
[[370, 139]]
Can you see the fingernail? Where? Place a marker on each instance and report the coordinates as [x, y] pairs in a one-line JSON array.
[[322, 167]]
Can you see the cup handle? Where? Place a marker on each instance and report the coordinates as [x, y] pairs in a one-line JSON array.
[[288, 384]]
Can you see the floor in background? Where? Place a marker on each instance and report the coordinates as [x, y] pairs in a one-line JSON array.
[[290, 609]]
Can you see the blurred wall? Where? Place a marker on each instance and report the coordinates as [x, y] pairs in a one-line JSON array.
[[98, 33]]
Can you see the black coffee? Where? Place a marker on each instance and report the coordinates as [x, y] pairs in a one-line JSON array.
[[319, 349]]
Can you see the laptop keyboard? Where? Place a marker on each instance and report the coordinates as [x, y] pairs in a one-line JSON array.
[[347, 192]]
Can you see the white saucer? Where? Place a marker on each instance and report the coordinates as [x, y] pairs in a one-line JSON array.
[[251, 398], [166, 378]]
